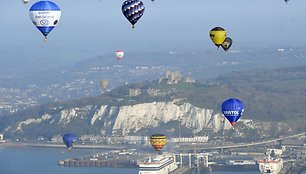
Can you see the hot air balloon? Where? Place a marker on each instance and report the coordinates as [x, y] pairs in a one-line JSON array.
[[217, 35], [45, 16], [119, 54], [104, 83], [227, 43], [69, 139], [232, 110], [133, 10], [25, 1], [158, 141]]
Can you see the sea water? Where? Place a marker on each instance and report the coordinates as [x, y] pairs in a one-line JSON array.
[[30, 160]]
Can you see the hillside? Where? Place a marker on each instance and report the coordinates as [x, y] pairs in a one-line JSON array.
[[20, 89], [268, 95], [201, 64], [271, 97]]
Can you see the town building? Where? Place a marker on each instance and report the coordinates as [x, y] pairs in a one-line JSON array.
[[197, 139], [2, 138], [134, 92]]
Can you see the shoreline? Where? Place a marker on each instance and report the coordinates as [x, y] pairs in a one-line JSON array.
[[45, 145]]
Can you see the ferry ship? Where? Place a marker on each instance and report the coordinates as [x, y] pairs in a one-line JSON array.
[[161, 164], [273, 166], [270, 165]]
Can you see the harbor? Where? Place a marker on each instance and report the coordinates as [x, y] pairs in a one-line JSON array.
[[272, 156], [263, 159]]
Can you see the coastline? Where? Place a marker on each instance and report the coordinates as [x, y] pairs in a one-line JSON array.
[[45, 145]]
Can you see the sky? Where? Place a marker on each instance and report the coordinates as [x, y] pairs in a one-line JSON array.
[[89, 28]]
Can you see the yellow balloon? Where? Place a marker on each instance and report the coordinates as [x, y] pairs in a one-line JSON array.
[[158, 141], [104, 83], [217, 35]]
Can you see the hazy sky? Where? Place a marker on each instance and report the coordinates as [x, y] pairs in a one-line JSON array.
[[92, 27]]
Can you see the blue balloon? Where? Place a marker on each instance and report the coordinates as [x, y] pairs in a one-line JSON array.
[[232, 110], [69, 139], [45, 15], [133, 10]]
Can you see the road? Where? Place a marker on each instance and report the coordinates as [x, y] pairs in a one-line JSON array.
[[245, 144], [122, 147], [9, 144]]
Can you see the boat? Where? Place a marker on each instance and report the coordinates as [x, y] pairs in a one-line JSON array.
[[271, 165], [160, 164]]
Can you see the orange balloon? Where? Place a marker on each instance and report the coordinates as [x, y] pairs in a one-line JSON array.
[[158, 141]]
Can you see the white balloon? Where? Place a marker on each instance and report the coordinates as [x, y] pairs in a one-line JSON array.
[[45, 15], [119, 54]]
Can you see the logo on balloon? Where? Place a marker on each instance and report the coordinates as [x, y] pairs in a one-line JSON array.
[[231, 113], [44, 22]]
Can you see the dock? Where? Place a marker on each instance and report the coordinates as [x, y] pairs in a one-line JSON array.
[[188, 162], [97, 163], [119, 158], [182, 170]]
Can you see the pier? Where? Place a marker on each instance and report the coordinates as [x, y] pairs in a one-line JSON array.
[[129, 159], [110, 159], [198, 158], [97, 163]]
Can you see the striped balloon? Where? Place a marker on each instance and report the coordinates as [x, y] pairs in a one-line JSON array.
[[158, 141], [133, 10]]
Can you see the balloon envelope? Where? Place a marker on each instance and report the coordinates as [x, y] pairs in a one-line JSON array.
[[232, 110], [158, 141], [45, 15], [69, 139], [227, 43], [133, 10], [104, 83], [217, 35], [119, 54]]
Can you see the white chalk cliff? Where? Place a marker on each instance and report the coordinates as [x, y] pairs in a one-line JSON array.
[[128, 119], [135, 117]]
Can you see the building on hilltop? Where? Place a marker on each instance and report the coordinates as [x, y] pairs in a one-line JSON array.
[[134, 92], [157, 92], [174, 77], [171, 77]]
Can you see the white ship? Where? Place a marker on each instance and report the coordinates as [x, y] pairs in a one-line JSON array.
[[161, 164], [271, 165]]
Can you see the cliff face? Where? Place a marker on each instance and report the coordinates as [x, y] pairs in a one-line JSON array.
[[144, 115], [128, 119]]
